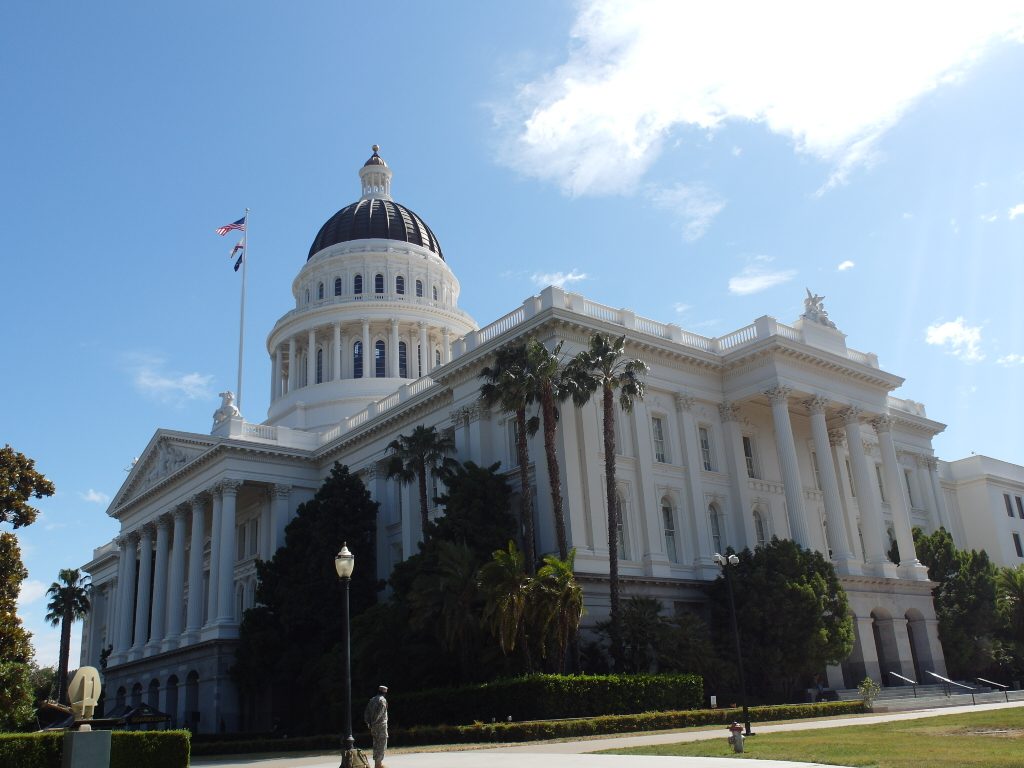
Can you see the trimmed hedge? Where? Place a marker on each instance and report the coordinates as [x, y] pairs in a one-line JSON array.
[[543, 729], [128, 749], [545, 697]]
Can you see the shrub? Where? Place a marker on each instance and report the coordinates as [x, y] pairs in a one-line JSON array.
[[128, 749], [31, 750]]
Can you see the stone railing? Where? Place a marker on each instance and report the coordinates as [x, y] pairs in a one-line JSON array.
[[907, 406]]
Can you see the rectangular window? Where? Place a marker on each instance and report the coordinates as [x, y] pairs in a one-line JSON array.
[[658, 430], [1020, 507], [254, 536], [1016, 543], [849, 474], [750, 457], [670, 534], [881, 485], [817, 474], [707, 454], [1009, 506]]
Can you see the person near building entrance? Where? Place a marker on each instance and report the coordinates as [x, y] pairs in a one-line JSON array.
[[376, 717]]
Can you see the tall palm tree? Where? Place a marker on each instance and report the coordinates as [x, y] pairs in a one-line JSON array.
[[545, 370], [505, 585], [556, 607], [604, 366], [508, 384], [69, 602], [415, 455]]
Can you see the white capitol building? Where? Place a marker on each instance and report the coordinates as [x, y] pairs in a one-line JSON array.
[[772, 430]]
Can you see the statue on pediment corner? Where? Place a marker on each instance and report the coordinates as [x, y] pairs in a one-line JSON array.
[[814, 310], [228, 409]]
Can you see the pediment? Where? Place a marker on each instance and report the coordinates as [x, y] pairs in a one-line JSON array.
[[166, 454]]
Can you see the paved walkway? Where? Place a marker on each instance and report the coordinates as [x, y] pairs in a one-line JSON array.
[[574, 754]]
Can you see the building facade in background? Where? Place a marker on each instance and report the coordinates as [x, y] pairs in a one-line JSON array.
[[772, 430]]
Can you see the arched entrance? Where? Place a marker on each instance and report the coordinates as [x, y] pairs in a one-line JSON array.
[[192, 701], [171, 707], [886, 647]]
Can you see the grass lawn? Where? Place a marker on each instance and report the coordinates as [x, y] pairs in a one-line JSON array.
[[992, 739]]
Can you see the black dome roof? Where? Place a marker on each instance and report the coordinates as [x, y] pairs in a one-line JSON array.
[[375, 218]]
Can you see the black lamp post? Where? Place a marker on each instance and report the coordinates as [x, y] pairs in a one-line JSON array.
[[725, 562], [344, 564]]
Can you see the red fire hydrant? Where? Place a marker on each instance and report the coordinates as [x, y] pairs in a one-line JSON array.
[[736, 737]]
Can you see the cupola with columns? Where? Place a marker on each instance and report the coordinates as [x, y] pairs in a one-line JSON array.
[[376, 307]]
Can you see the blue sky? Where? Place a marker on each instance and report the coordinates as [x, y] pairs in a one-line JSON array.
[[700, 166]]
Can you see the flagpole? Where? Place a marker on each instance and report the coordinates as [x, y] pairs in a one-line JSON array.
[[241, 317]]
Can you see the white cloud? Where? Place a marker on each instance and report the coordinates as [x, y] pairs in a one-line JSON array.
[[959, 339], [543, 280], [681, 308], [1010, 360], [845, 265], [988, 218], [1017, 210], [95, 497], [694, 205], [757, 277], [737, 151], [31, 590], [830, 79], [907, 215], [150, 378]]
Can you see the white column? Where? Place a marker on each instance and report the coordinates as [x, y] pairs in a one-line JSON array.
[[194, 619], [336, 370], [941, 512], [126, 594], [899, 505], [175, 581], [648, 504], [393, 352], [792, 484], [446, 348], [867, 496], [841, 554], [311, 358], [279, 516], [736, 462], [367, 352], [277, 386], [293, 379], [424, 351], [142, 602], [688, 438], [215, 536], [835, 440], [159, 621], [226, 579]]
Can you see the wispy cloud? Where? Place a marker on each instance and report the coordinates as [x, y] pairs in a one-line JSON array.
[[831, 81], [151, 379], [31, 590], [845, 265], [681, 308], [94, 497], [1017, 210], [988, 218], [957, 338], [694, 205], [1010, 360], [561, 279], [758, 276]]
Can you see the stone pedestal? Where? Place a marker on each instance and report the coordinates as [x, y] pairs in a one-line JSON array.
[[86, 749]]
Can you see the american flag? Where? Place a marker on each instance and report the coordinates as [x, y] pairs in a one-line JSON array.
[[239, 225]]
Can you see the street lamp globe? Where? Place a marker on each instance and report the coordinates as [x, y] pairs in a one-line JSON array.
[[344, 562], [734, 560], [719, 560]]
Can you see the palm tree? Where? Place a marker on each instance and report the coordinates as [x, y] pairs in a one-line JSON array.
[[604, 366], [1010, 586], [508, 384], [506, 588], [556, 605], [413, 456], [546, 372], [69, 601]]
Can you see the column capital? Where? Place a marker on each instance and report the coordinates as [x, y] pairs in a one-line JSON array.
[[365, 321], [816, 404], [180, 512], [778, 394], [729, 411], [850, 415], [146, 530], [422, 324], [229, 486], [164, 521], [882, 423], [280, 490], [836, 438], [685, 402], [458, 415], [931, 462], [198, 500]]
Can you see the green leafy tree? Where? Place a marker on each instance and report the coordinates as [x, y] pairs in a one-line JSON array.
[[605, 367], [19, 482], [1010, 586], [16, 695], [295, 633], [69, 602], [416, 455], [508, 385], [476, 501], [792, 614]]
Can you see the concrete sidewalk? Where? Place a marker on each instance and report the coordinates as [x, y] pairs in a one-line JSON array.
[[575, 754]]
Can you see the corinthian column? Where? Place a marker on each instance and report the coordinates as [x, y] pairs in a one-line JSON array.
[[910, 566], [142, 603], [393, 352], [226, 578], [867, 499], [311, 358], [159, 620], [293, 370], [743, 522], [368, 367], [194, 619], [176, 579], [841, 554], [793, 485], [425, 360]]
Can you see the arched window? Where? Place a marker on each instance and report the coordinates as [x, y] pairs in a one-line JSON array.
[[403, 360], [419, 288], [307, 295], [378, 283], [357, 360], [715, 518], [759, 531], [437, 358], [357, 284], [668, 520], [400, 285], [435, 293], [337, 286], [378, 359], [622, 528], [319, 366], [320, 292], [153, 694]]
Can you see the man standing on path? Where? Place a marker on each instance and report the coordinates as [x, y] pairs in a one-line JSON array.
[[376, 717]]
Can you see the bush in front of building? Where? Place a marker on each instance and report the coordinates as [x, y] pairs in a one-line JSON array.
[[128, 749]]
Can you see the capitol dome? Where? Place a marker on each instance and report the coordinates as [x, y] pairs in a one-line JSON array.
[[375, 215]]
